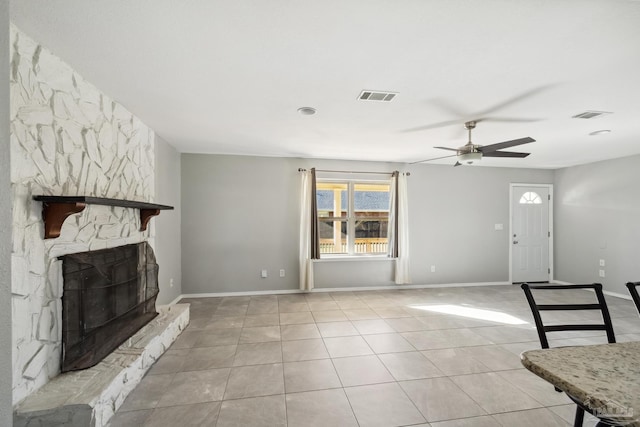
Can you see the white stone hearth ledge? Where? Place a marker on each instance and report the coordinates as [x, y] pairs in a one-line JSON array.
[[90, 397]]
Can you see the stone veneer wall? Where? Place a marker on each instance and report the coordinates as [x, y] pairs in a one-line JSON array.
[[5, 224], [67, 138]]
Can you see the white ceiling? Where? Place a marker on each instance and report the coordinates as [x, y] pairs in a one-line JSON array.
[[227, 76]]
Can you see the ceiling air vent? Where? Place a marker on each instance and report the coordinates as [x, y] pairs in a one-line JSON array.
[[590, 114], [372, 95]]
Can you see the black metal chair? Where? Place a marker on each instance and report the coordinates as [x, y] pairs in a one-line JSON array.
[[633, 290], [543, 329]]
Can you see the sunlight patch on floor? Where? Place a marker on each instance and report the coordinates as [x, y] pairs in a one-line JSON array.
[[474, 313]]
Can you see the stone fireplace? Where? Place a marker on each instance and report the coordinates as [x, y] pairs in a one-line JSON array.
[[108, 296], [67, 138], [70, 139]]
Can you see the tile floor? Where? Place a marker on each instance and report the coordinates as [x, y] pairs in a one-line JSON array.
[[369, 358]]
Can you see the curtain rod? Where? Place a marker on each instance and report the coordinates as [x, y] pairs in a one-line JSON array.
[[334, 171]]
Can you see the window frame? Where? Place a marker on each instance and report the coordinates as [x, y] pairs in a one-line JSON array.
[[352, 218]]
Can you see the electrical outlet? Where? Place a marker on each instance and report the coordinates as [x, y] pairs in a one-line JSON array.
[[282, 272], [601, 272], [433, 268], [171, 283], [263, 274], [498, 227], [601, 263]]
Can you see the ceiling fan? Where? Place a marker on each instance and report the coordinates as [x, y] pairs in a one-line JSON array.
[[470, 152]]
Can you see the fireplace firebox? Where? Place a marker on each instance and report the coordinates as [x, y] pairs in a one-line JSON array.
[[108, 295]]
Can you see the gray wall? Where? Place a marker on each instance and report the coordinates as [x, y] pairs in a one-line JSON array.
[[597, 216], [453, 212], [6, 417], [167, 237], [240, 215]]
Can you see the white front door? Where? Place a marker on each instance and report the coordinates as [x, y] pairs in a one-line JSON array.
[[530, 234]]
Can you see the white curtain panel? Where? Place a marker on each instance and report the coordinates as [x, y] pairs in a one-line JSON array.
[[402, 216], [306, 264], [393, 217]]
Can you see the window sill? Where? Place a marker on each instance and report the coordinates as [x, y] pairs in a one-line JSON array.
[[354, 258]]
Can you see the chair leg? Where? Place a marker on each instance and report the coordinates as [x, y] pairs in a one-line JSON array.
[[579, 417]]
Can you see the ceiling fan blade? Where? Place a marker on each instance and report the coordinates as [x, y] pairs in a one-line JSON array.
[[483, 114], [515, 99], [477, 120], [446, 148], [435, 158], [508, 119], [500, 145], [504, 154], [448, 107], [432, 126]]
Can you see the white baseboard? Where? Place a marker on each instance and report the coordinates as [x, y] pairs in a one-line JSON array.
[[322, 290], [175, 301], [392, 287], [613, 294], [560, 282], [241, 294], [364, 288]]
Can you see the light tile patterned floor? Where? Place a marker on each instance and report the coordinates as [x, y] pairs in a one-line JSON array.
[[370, 358]]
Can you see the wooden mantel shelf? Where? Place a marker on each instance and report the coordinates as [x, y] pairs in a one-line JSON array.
[[55, 209]]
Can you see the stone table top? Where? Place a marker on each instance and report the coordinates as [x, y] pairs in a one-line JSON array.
[[605, 377]]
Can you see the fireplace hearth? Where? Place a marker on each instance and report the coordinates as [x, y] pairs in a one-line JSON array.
[[108, 295]]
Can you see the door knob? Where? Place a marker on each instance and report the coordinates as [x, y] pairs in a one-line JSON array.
[[515, 242]]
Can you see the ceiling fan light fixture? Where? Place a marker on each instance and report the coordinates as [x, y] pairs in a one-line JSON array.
[[469, 158]]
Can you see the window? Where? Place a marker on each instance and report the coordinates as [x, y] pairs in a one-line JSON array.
[[353, 217], [530, 198]]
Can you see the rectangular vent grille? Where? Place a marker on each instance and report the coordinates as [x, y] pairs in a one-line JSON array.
[[371, 95], [590, 114]]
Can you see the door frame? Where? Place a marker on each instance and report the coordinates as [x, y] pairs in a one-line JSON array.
[[511, 188]]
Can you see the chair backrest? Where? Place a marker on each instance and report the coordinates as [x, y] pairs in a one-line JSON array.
[[536, 308], [633, 290]]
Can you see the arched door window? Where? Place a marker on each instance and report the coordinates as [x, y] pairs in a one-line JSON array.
[[530, 198]]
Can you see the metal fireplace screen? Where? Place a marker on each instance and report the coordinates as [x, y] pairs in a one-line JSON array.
[[108, 296]]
